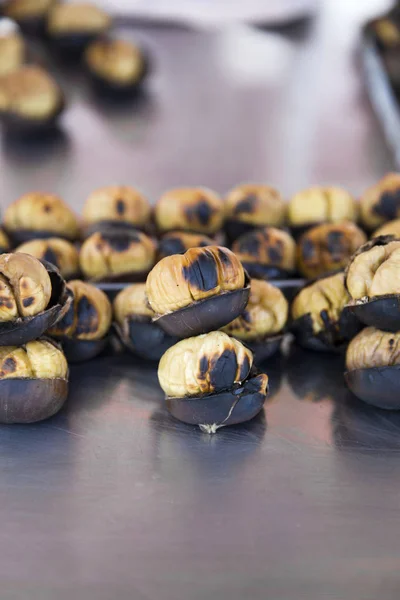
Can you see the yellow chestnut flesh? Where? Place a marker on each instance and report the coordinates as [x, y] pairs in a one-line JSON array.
[[268, 246], [381, 202], [256, 204], [39, 359], [373, 348], [27, 9], [190, 209], [265, 314], [321, 205], [117, 203], [181, 279], [389, 228], [204, 364], [116, 61], [57, 251], [82, 17], [12, 52], [375, 272], [131, 302]]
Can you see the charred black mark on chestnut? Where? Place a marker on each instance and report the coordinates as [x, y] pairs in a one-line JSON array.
[[308, 249], [9, 365], [28, 301], [246, 316], [224, 257], [325, 318], [391, 343], [51, 257], [47, 208], [88, 321], [6, 302], [275, 253], [247, 205], [120, 206], [119, 243], [244, 368], [249, 244], [223, 370], [68, 320], [335, 244], [203, 368], [202, 273], [171, 246], [388, 205], [201, 211]]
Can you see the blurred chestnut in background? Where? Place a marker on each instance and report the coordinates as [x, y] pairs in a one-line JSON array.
[[328, 248], [4, 241], [389, 228], [12, 47], [57, 251], [40, 215], [267, 253], [29, 14], [381, 202], [178, 242]]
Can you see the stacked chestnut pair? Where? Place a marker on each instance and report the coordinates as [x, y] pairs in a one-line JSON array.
[[373, 356]]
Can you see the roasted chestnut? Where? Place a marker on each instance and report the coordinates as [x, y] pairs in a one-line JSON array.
[[29, 14], [373, 367], [30, 100], [389, 228], [386, 32], [57, 251], [117, 255], [32, 298], [12, 47], [208, 381], [116, 205], [261, 324], [33, 381], [199, 291], [39, 215], [83, 331], [267, 253], [178, 242], [322, 320], [372, 278], [135, 327], [71, 27], [198, 210], [4, 241], [249, 206], [318, 204], [328, 248], [381, 202], [115, 65]]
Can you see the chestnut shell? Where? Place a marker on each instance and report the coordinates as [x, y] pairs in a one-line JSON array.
[[21, 236], [145, 338], [334, 338], [206, 315], [77, 351], [110, 224], [112, 89], [235, 228], [378, 386], [23, 330], [263, 349], [21, 126], [382, 312], [238, 405], [69, 47], [31, 400], [267, 272]]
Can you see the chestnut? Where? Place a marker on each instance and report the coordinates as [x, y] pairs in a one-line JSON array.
[[29, 14], [178, 242], [373, 368], [40, 215], [116, 206], [208, 381], [320, 204], [372, 279], [198, 210], [117, 255], [71, 27], [260, 326], [83, 330], [12, 47], [4, 241], [249, 206], [267, 253], [381, 202], [30, 101], [57, 251], [327, 248], [33, 381], [32, 298], [321, 319], [386, 32], [389, 228], [196, 292], [116, 66], [135, 327]]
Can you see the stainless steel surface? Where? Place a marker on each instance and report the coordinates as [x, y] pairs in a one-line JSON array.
[[112, 498]]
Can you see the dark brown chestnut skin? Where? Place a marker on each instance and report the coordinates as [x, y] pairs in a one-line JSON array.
[[263, 349], [238, 405], [17, 125], [31, 400], [23, 330], [144, 338], [178, 242], [378, 386]]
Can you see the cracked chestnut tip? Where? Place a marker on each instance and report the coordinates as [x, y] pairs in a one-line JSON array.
[[30, 100], [33, 381], [199, 291], [248, 206], [71, 27], [117, 254], [57, 251], [83, 331], [32, 298], [327, 248], [262, 323], [116, 205], [381, 202], [208, 381], [12, 47], [319, 204], [373, 368], [321, 320], [135, 327], [40, 215], [178, 242], [372, 279], [116, 65], [198, 210], [267, 253]]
